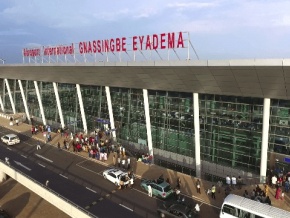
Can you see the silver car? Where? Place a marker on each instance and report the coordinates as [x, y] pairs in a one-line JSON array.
[[116, 175], [10, 139]]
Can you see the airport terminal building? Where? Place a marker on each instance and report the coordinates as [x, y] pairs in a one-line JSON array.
[[206, 118]]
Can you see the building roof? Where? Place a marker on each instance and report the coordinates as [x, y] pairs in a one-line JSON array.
[[265, 78]]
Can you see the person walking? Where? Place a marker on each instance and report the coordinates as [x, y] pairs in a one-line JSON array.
[[114, 160], [119, 161], [123, 163], [287, 185], [278, 193], [123, 152], [266, 190], [7, 161], [219, 186], [213, 189], [58, 145], [274, 181], [240, 182], [149, 191], [234, 182], [198, 186], [178, 183], [17, 122], [228, 181], [128, 163]]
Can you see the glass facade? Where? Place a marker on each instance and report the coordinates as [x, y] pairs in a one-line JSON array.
[[17, 97], [95, 105], [230, 127], [279, 127], [70, 106], [48, 102], [129, 115], [172, 125], [32, 101], [231, 131]]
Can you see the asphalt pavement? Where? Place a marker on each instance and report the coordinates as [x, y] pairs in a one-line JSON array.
[[91, 168]]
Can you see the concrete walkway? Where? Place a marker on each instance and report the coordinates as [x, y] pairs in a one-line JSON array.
[[154, 171]]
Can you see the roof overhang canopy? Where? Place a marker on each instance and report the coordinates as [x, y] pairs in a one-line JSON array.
[[265, 78]]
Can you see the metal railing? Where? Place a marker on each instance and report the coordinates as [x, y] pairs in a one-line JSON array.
[[50, 190]]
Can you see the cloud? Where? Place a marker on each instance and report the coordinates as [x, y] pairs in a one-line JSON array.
[[145, 13], [111, 15], [14, 32], [32, 45], [191, 5], [283, 21], [208, 21]]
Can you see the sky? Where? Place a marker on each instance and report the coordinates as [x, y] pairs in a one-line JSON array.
[[219, 29]]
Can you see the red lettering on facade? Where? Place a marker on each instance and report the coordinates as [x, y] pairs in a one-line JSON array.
[[123, 44], [162, 41], [141, 39], [135, 43], [106, 45], [118, 44], [180, 41], [148, 43], [85, 47], [99, 46], [155, 41], [31, 52], [94, 46], [112, 46], [89, 47], [171, 40]]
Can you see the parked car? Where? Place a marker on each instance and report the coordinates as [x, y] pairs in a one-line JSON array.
[[178, 210], [10, 139], [160, 188], [116, 175]]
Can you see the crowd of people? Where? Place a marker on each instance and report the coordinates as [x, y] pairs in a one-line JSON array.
[[127, 181], [43, 129], [258, 194], [277, 180], [280, 181]]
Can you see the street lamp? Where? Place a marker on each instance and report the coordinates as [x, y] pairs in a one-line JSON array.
[[3, 61]]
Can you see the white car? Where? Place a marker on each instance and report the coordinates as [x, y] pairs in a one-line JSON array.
[[10, 139], [116, 175]]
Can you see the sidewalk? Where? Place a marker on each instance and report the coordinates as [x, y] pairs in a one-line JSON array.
[[154, 171]]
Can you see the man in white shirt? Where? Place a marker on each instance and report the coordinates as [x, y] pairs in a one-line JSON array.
[[234, 181], [274, 180], [123, 163], [228, 180], [149, 191]]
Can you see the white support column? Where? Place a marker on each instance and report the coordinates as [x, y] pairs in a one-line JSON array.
[[111, 115], [10, 96], [265, 140], [1, 104], [39, 102], [24, 100], [148, 123], [58, 104], [197, 134], [82, 108]]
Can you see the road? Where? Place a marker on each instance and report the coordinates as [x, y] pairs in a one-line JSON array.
[[80, 180]]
